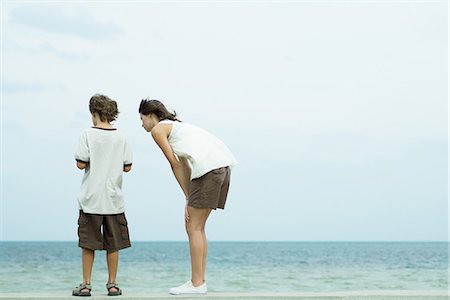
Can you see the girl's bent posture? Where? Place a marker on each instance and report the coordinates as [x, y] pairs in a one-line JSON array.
[[201, 165]]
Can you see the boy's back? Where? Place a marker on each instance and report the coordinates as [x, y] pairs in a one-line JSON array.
[[107, 152]]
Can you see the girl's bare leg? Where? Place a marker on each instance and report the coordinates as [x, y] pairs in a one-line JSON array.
[[205, 252], [198, 244]]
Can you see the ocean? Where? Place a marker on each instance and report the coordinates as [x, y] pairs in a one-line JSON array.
[[234, 266]]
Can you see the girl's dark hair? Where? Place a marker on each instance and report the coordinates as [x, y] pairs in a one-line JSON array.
[[104, 106], [156, 107]]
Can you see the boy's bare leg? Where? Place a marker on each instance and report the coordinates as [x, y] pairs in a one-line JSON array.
[[87, 258], [112, 259]]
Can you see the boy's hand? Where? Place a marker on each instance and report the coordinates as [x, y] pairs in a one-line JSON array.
[[82, 165]]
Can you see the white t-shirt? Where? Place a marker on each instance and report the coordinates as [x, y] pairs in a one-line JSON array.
[[106, 151], [204, 151]]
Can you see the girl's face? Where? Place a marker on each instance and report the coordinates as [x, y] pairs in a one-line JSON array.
[[149, 121]]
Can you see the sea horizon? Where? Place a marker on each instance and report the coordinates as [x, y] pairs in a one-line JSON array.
[[260, 241], [234, 266]]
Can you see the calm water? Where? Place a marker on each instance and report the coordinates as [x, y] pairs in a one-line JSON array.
[[234, 266]]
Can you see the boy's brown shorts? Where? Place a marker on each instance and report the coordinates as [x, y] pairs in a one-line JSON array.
[[210, 190], [103, 232]]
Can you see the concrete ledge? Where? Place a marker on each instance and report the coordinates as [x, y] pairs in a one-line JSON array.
[[354, 295]]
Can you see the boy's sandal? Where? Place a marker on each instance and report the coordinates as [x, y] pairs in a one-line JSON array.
[[109, 286], [78, 291]]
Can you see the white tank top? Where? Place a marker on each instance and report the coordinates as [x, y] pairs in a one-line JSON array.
[[204, 151]]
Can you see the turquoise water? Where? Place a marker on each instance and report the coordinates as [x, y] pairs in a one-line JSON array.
[[234, 266]]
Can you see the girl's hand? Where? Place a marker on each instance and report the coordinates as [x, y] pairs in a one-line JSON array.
[[186, 213]]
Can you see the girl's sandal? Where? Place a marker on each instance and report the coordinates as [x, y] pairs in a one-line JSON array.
[[78, 291], [109, 286]]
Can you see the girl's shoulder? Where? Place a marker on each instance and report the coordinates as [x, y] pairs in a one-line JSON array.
[[167, 121], [174, 124]]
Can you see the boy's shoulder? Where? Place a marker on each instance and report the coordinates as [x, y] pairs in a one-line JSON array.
[[84, 132], [88, 131]]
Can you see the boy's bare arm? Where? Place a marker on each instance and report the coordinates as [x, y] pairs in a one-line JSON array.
[[82, 165]]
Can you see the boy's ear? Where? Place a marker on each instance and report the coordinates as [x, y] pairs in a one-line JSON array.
[[95, 118]]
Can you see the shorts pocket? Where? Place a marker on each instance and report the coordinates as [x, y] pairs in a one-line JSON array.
[[216, 177], [83, 221], [123, 225]]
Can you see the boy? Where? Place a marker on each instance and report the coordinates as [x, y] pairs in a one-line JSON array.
[[104, 154]]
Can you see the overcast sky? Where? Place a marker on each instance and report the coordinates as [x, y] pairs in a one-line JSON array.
[[336, 111]]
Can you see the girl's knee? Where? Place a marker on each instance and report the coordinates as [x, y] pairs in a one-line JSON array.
[[192, 227]]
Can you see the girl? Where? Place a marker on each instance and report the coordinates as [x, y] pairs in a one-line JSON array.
[[201, 165]]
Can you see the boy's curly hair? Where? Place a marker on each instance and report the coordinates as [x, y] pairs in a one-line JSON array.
[[104, 106]]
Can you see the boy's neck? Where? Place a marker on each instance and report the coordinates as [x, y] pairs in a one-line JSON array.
[[98, 123], [104, 125]]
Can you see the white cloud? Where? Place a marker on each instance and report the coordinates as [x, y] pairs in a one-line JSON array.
[[57, 19]]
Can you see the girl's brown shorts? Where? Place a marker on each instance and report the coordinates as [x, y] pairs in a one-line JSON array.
[[210, 190], [103, 232]]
